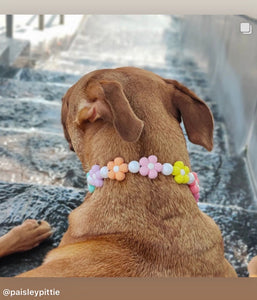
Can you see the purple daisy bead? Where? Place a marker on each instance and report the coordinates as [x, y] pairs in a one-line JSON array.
[[95, 177]]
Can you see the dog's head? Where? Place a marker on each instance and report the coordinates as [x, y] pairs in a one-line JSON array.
[[131, 101]]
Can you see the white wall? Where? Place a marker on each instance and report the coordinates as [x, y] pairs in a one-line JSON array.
[[230, 59]]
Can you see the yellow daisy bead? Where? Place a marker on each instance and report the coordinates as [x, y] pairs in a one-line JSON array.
[[179, 164], [186, 179], [186, 169], [180, 172], [176, 170], [179, 179]]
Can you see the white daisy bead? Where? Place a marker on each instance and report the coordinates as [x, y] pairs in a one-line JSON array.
[[191, 178], [104, 172], [167, 169], [134, 166]]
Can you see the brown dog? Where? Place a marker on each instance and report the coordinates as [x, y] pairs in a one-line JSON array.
[[140, 226]]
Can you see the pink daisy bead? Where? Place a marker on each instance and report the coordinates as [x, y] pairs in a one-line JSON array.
[[149, 166], [195, 188]]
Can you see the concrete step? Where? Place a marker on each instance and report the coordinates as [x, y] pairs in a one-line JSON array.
[[14, 88], [11, 49], [81, 63], [38, 158], [141, 43], [31, 115], [109, 44], [239, 231], [44, 76], [77, 66], [219, 180], [4, 52]]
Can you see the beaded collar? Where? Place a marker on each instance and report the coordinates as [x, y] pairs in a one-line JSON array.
[[117, 169]]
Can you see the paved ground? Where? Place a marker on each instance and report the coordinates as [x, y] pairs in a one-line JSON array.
[[40, 178]]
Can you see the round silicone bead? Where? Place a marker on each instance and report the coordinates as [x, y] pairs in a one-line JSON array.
[[194, 189], [104, 172], [91, 188], [134, 166], [191, 178], [167, 169], [197, 196]]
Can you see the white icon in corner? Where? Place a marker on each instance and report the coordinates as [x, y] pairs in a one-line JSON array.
[[246, 28]]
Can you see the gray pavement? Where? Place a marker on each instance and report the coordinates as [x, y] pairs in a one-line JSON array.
[[40, 178]]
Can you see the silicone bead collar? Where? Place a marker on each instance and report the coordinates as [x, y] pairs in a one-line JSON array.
[[117, 169]]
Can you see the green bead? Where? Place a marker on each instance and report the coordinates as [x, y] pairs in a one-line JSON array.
[[91, 188]]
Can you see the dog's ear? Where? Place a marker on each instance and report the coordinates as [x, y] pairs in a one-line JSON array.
[[107, 101], [196, 115], [128, 125], [64, 115]]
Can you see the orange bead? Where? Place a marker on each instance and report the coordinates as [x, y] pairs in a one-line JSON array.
[[124, 168], [118, 161], [111, 174], [110, 165], [120, 176]]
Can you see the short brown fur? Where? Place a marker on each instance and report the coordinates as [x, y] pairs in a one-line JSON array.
[[137, 227]]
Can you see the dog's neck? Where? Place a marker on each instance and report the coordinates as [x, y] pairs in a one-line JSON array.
[[167, 142]]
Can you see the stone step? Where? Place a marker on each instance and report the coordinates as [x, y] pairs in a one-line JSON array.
[[40, 158], [14, 88], [30, 75], [8, 72], [123, 45], [31, 115], [78, 62], [77, 67], [239, 231], [219, 180], [45, 76], [71, 61], [11, 49], [4, 53], [140, 43]]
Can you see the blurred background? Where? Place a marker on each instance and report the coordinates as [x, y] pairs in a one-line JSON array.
[[41, 56]]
